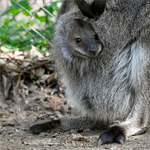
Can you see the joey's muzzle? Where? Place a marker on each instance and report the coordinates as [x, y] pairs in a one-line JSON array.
[[95, 50], [94, 47]]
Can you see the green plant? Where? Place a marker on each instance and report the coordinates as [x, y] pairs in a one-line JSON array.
[[21, 26]]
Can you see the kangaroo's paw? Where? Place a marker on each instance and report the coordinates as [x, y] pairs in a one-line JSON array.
[[114, 134], [141, 131]]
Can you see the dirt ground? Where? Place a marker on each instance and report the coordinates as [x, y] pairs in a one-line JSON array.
[[41, 105]]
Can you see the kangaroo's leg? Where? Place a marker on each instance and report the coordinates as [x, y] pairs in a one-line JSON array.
[[139, 116], [135, 124]]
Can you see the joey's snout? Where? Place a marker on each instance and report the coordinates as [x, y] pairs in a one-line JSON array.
[[93, 48], [93, 51]]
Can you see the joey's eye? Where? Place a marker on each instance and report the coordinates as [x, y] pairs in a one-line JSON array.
[[78, 40], [96, 37]]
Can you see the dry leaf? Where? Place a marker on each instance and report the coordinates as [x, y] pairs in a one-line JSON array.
[[26, 64], [19, 57], [35, 53], [11, 66], [17, 53], [39, 72], [14, 74], [2, 62], [52, 78], [44, 78]]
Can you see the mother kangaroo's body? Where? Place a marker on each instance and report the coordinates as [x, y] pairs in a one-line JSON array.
[[114, 87]]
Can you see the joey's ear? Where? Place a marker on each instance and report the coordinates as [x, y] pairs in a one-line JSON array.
[[85, 8], [93, 9], [98, 7]]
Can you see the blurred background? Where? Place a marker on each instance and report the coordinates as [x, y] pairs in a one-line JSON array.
[[30, 91], [27, 72], [24, 23], [26, 33]]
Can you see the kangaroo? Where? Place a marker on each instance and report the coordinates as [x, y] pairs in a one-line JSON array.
[[77, 40], [111, 86]]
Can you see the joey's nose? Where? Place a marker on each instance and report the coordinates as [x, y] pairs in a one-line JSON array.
[[93, 50]]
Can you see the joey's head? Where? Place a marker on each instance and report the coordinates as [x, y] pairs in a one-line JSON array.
[[82, 39]]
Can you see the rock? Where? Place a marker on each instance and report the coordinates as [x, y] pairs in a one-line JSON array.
[[73, 132], [79, 137], [2, 129], [8, 124], [86, 130]]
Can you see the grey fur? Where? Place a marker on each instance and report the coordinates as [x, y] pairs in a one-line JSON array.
[[115, 85]]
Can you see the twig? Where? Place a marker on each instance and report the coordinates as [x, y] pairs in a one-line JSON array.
[[25, 70], [38, 65], [18, 81]]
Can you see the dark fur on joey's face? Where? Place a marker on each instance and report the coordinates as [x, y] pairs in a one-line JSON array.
[[82, 39]]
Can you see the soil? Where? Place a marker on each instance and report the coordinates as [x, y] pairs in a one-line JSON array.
[[41, 105]]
